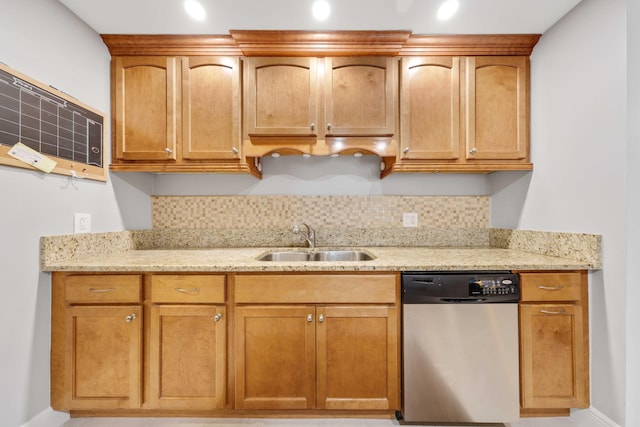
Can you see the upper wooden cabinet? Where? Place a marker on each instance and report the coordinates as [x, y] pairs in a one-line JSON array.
[[464, 113], [281, 97], [320, 105], [430, 107], [179, 103], [497, 108], [145, 130], [211, 108], [190, 117], [360, 96]]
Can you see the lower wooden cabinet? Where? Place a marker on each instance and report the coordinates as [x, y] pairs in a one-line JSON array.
[[317, 341], [316, 357], [96, 342], [187, 341], [213, 344], [554, 342], [103, 352], [187, 362]]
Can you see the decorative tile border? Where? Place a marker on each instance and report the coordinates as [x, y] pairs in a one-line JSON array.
[[322, 212]]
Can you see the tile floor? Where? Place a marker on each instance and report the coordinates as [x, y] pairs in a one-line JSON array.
[[252, 422]]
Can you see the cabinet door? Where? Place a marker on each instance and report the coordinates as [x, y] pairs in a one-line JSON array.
[[281, 96], [187, 357], [103, 357], [497, 107], [430, 108], [554, 356], [211, 108], [360, 96], [275, 357], [357, 358], [145, 130]]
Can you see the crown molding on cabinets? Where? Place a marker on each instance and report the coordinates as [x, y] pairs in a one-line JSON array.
[[170, 44], [328, 43], [489, 44]]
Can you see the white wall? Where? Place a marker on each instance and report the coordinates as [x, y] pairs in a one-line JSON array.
[[579, 182], [43, 40], [633, 213], [300, 176]]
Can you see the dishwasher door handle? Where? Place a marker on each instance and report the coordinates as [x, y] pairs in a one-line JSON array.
[[462, 300]]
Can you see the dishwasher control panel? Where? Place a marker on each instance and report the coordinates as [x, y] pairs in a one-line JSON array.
[[459, 287], [493, 286]]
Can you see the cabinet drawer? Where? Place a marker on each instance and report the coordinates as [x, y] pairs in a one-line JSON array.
[[183, 288], [315, 288], [103, 288], [551, 286]]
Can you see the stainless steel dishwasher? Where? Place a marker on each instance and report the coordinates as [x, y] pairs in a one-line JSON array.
[[460, 347]]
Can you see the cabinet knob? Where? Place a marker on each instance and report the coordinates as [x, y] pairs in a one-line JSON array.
[[321, 318], [405, 150], [329, 127], [130, 317], [309, 318], [234, 150], [473, 151], [217, 317], [313, 126], [168, 150]]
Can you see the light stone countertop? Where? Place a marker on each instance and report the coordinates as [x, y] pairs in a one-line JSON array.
[[245, 260]]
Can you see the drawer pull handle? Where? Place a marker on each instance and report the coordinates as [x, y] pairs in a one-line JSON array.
[[101, 291], [561, 311], [130, 318], [192, 291], [217, 317], [309, 318], [551, 288], [321, 318]]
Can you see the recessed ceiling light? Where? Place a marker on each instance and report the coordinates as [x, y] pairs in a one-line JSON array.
[[321, 10], [195, 10], [447, 9]]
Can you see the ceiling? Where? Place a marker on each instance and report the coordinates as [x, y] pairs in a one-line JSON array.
[[419, 16]]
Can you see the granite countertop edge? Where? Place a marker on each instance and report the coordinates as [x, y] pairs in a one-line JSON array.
[[244, 260]]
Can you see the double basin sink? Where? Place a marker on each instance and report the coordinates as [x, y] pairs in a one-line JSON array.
[[317, 255]]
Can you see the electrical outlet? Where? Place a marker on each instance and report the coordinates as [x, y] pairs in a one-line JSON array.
[[81, 223], [410, 219]]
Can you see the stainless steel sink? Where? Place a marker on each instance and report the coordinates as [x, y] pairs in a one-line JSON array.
[[317, 255], [285, 256], [341, 255]]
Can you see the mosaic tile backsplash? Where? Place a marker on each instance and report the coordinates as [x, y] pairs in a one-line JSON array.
[[281, 212]]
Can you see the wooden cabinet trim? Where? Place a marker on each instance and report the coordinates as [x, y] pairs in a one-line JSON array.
[[314, 43], [188, 288], [103, 289], [552, 286], [316, 288]]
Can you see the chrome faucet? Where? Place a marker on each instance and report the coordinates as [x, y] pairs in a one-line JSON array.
[[309, 235]]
